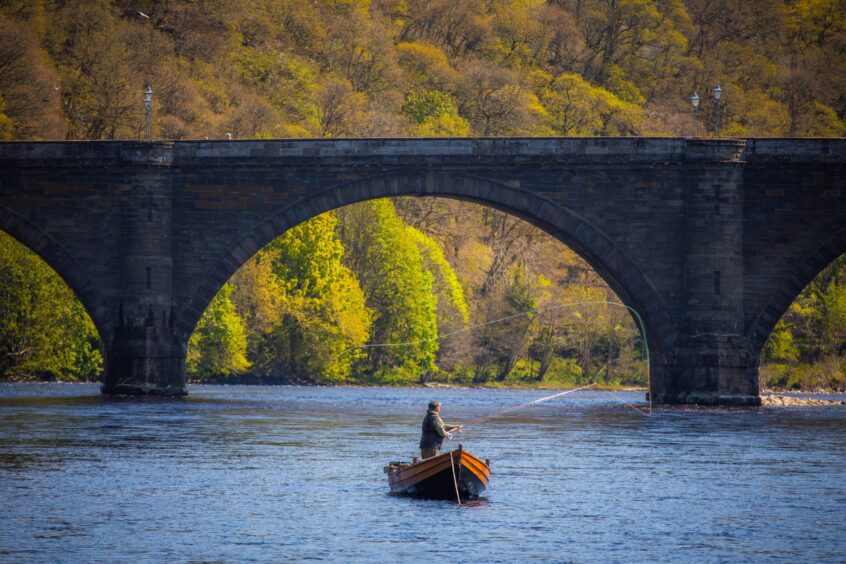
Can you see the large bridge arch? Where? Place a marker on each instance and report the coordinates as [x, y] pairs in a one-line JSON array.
[[618, 270], [69, 269]]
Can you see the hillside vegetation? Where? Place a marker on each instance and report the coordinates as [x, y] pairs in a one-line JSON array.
[[75, 69]]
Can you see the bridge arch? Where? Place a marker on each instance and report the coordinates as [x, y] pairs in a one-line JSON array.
[[613, 265], [63, 263], [781, 299]]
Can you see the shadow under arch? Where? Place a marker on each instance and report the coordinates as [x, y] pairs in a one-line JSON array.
[[612, 264], [760, 329], [65, 265]]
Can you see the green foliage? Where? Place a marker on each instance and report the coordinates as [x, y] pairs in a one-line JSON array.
[[780, 345], [426, 66], [452, 306], [829, 374], [396, 286], [435, 114], [218, 345], [6, 128], [44, 330], [807, 347], [572, 106], [304, 309], [422, 105]]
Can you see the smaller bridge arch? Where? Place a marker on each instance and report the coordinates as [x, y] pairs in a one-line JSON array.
[[780, 298], [63, 263]]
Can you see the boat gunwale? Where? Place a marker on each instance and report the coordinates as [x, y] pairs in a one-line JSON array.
[[414, 474], [480, 472]]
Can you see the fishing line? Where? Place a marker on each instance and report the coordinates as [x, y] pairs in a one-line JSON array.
[[522, 405], [634, 312]]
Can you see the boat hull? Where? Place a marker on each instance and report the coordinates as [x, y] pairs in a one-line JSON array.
[[439, 477]]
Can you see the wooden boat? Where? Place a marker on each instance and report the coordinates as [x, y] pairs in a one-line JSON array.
[[440, 476]]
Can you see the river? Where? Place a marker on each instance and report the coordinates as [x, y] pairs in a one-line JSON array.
[[295, 473]]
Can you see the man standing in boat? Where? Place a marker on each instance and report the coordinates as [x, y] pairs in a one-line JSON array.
[[434, 431]]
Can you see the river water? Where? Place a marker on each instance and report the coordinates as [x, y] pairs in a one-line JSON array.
[[295, 473]]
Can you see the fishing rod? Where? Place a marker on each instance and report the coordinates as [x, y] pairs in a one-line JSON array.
[[505, 410]]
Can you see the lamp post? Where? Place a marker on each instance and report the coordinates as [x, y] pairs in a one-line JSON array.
[[148, 114], [717, 92], [694, 102]]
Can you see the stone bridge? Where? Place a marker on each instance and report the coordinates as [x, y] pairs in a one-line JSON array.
[[710, 240]]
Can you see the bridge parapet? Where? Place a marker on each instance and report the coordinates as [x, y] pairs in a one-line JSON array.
[[597, 150]]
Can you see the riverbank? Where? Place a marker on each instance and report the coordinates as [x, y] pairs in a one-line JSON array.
[[248, 380], [793, 401]]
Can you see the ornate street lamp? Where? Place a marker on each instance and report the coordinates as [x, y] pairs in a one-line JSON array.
[[148, 114], [717, 93], [694, 103]]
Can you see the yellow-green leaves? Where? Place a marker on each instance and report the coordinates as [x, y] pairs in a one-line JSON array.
[[435, 114], [572, 106], [298, 68], [218, 345], [44, 330], [304, 309], [397, 286]]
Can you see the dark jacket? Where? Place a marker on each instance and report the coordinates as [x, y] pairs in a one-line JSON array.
[[434, 430]]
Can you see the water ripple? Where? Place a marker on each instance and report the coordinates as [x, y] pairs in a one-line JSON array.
[[295, 473]]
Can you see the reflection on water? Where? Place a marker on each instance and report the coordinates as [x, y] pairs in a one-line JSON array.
[[273, 473]]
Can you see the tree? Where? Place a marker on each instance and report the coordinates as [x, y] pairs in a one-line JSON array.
[[435, 114], [635, 35], [360, 50], [339, 108], [397, 287], [218, 345], [305, 310], [833, 314], [520, 32], [99, 91], [780, 346], [514, 335], [461, 27], [44, 329], [29, 87], [452, 311], [426, 66], [493, 100], [586, 321], [570, 106], [6, 125]]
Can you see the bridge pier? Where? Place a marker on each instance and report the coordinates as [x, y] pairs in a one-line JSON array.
[[145, 359], [712, 362], [709, 370], [145, 355]]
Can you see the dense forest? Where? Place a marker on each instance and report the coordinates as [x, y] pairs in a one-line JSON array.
[[426, 272], [76, 69]]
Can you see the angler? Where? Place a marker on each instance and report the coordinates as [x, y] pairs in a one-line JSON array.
[[434, 431]]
